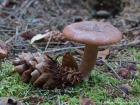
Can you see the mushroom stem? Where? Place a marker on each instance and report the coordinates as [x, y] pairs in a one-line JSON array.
[[88, 61], [0, 64]]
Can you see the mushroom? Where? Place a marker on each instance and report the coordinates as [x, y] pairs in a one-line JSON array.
[[92, 34], [4, 51], [17, 25]]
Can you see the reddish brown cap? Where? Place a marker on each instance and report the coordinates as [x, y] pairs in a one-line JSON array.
[[93, 33], [16, 24], [4, 50]]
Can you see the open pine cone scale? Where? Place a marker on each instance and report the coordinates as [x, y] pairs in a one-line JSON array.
[[43, 71]]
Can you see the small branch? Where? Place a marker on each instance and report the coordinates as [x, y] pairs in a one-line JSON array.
[[59, 91], [23, 33], [48, 42], [109, 60], [27, 92], [62, 49], [114, 87], [27, 98], [111, 68]]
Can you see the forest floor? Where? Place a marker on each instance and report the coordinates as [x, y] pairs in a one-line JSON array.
[[21, 20]]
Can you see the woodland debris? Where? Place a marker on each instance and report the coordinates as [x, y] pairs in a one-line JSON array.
[[43, 71], [87, 101], [10, 101]]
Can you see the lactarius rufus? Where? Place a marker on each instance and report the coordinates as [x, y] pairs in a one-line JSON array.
[[4, 51], [92, 34]]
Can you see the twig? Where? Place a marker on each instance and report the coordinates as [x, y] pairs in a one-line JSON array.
[[62, 49], [132, 29], [27, 98], [26, 103], [57, 4], [36, 48], [27, 92], [129, 19], [77, 58], [59, 91], [52, 97], [57, 101], [6, 30], [122, 92], [48, 42], [114, 87], [109, 60], [38, 103], [12, 14], [25, 8], [22, 33], [111, 68], [9, 16]]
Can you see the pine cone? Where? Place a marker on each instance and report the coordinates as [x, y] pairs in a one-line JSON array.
[[43, 71], [56, 36]]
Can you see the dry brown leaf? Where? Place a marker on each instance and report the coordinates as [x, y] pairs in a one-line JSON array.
[[135, 33], [9, 101], [87, 101], [136, 73], [38, 99], [69, 61], [125, 85], [66, 99], [103, 54]]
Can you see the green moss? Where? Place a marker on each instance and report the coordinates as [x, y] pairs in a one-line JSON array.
[[137, 56], [93, 89], [10, 83]]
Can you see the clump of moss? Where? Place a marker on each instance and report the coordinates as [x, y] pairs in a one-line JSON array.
[[10, 83], [93, 88]]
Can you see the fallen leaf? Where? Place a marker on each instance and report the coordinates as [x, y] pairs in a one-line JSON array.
[[9, 101], [66, 99], [125, 85], [38, 99], [103, 54], [87, 101], [69, 61], [135, 33], [38, 37], [136, 73]]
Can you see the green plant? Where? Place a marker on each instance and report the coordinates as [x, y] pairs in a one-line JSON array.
[[137, 56]]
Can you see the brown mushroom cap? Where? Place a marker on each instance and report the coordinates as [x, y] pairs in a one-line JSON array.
[[4, 50], [16, 24], [93, 33]]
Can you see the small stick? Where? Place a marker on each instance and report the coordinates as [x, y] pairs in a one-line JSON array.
[[6, 30], [27, 92], [111, 68], [122, 61], [62, 49], [27, 98], [22, 33], [114, 87], [48, 42], [58, 91]]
